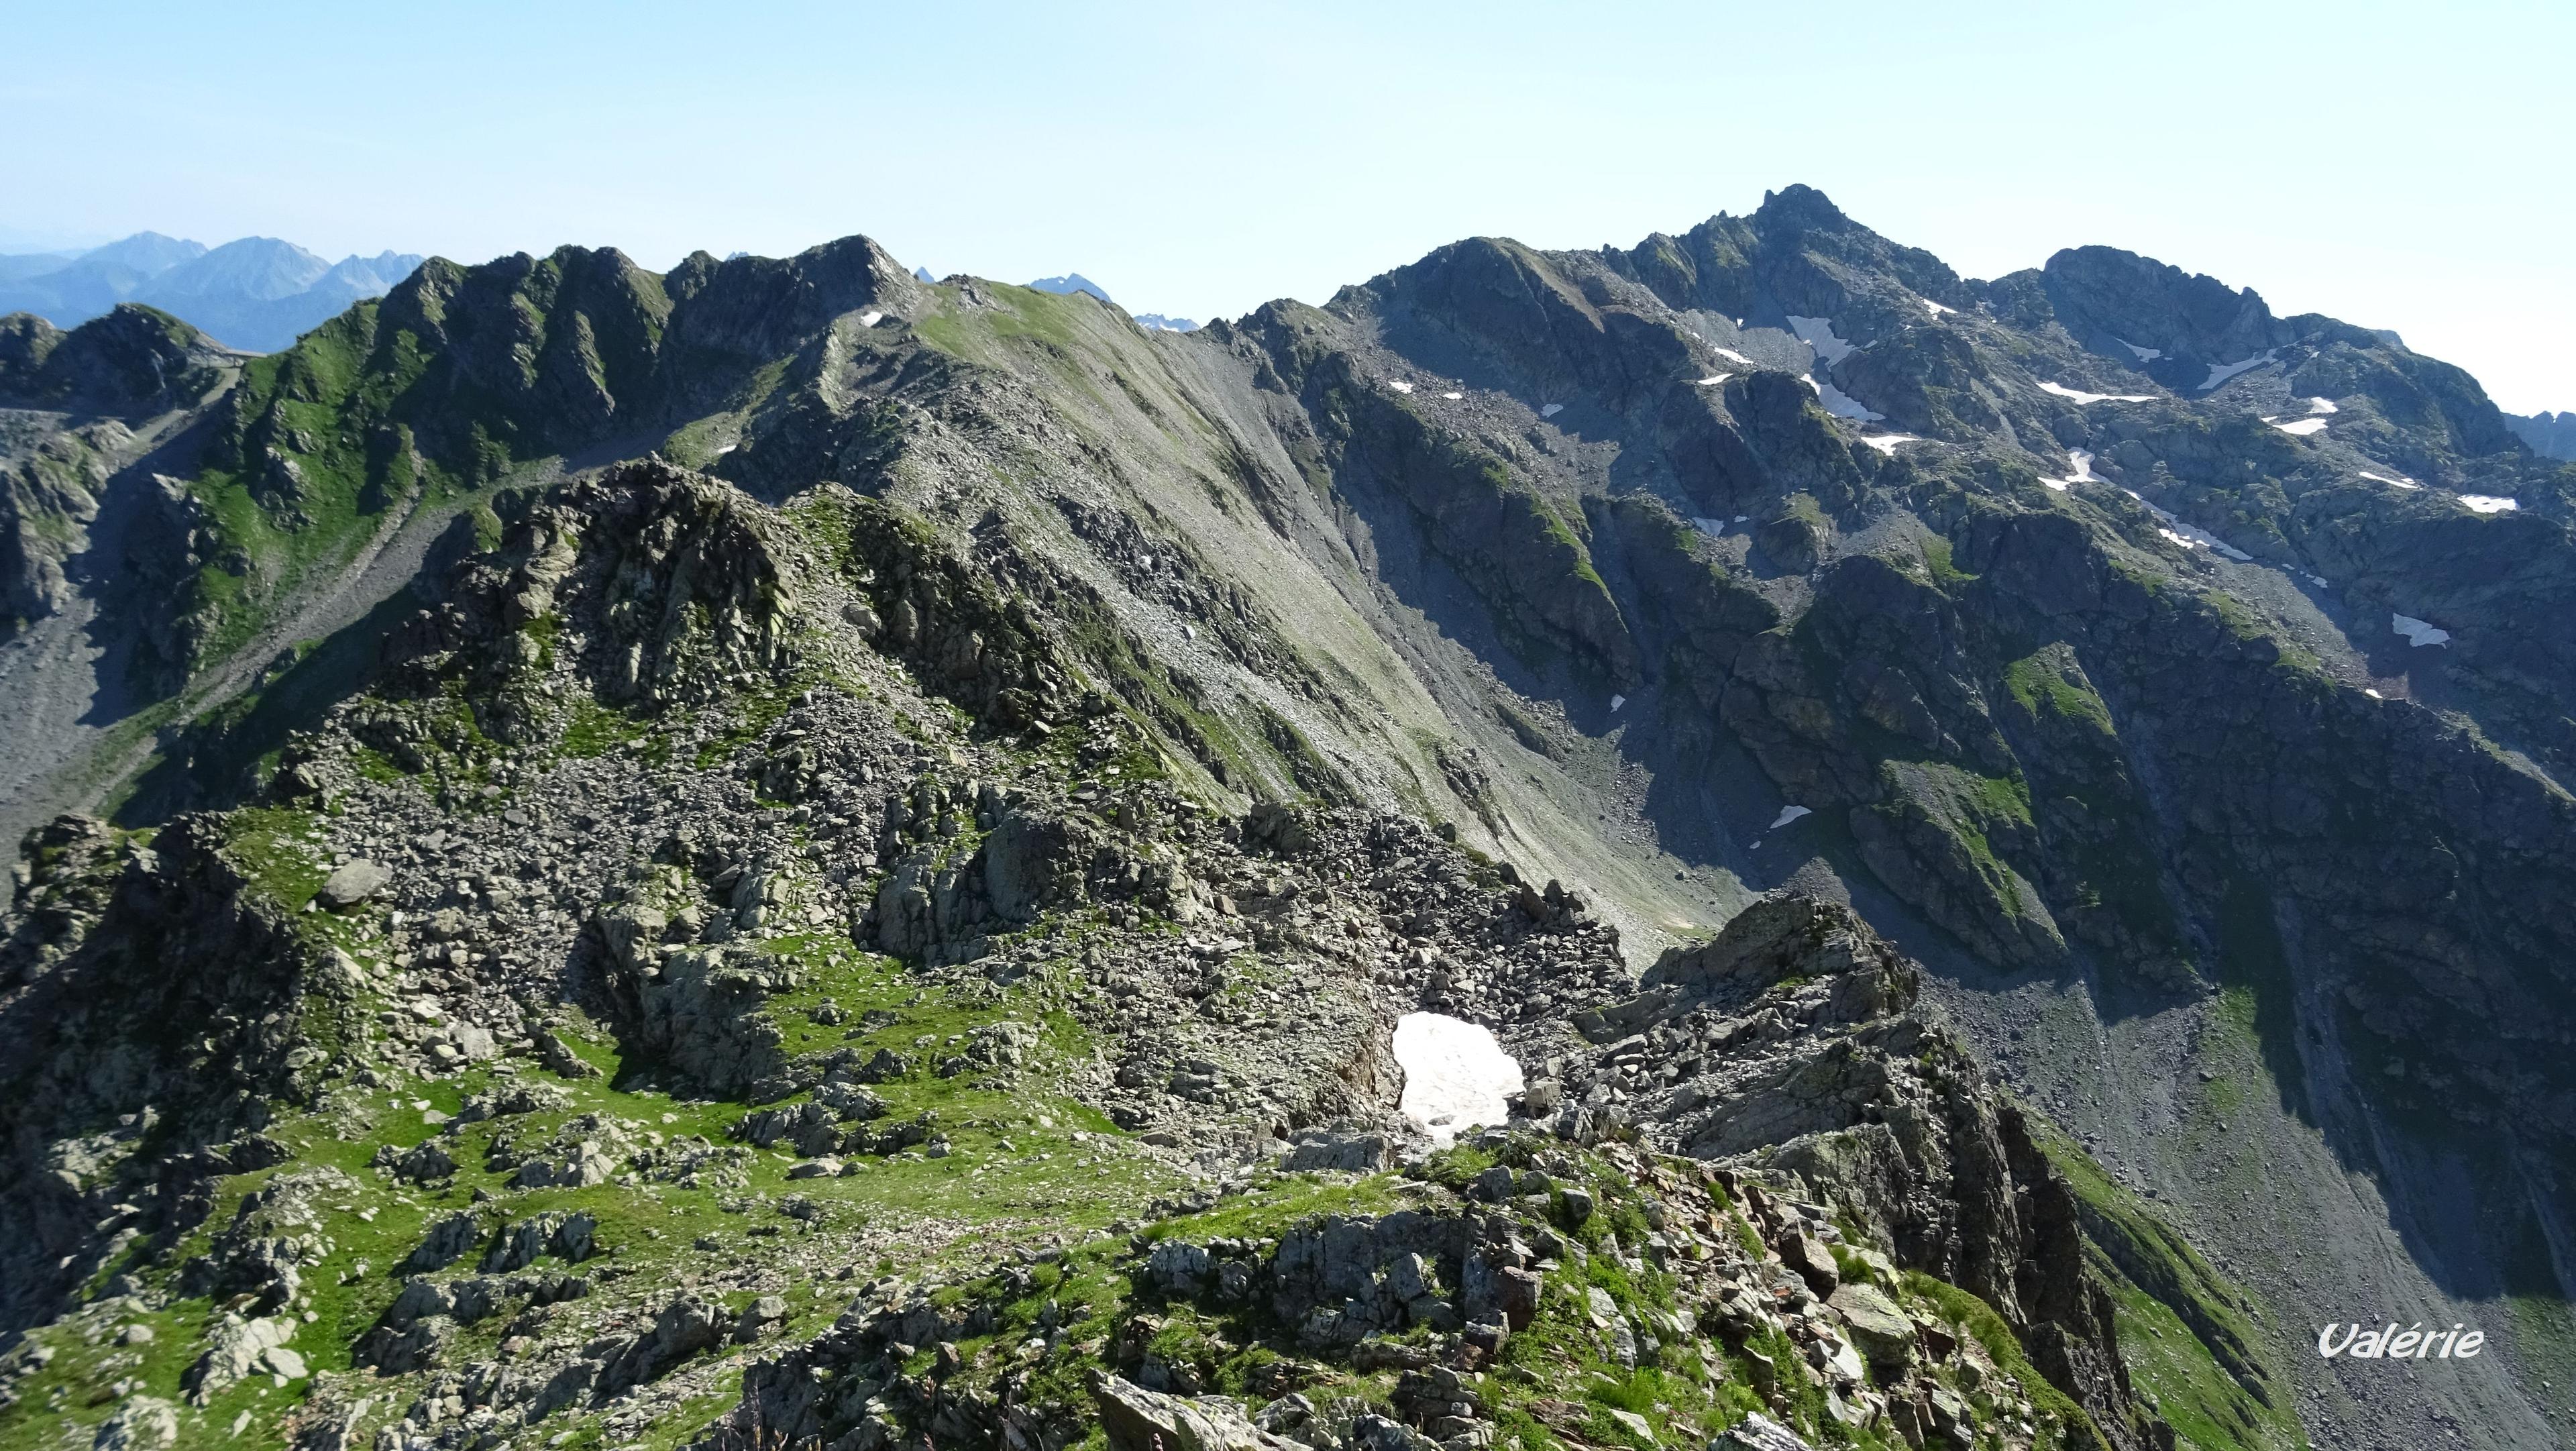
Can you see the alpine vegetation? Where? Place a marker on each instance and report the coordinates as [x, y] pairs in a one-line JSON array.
[[1740, 842]]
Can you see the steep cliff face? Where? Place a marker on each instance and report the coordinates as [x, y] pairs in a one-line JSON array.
[[842, 702]]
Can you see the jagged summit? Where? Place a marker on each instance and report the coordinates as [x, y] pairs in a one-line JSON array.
[[135, 359]]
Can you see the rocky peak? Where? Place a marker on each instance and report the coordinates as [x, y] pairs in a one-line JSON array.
[[133, 360], [759, 308], [2117, 302]]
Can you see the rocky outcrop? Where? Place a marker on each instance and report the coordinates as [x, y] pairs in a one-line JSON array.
[[1786, 1045], [110, 1049], [49, 493], [132, 362]]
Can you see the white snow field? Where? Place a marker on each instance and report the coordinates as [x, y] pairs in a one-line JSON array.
[[2080, 396], [1843, 405], [1818, 333], [2418, 633], [1455, 1075], [2186, 535], [2221, 372], [2081, 465]]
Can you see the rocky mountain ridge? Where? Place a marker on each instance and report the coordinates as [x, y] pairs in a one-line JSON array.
[[2551, 435], [824, 768]]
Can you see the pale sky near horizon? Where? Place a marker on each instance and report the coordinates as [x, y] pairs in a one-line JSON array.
[[2386, 164]]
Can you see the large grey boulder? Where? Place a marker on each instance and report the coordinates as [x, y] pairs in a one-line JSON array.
[[1758, 1432], [143, 1423], [1137, 1419], [352, 883], [233, 1350], [1877, 1326]]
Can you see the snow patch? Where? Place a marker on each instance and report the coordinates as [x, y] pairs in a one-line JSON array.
[[1453, 397], [2080, 471], [1455, 1075], [1617, 701], [1399, 385], [2322, 405], [2487, 504], [1818, 333], [1710, 527], [2080, 396], [1713, 379], [2385, 479], [1551, 410], [2373, 694], [870, 319], [2184, 534], [1937, 309], [2418, 633], [1732, 356], [2221, 372], [1886, 442], [1843, 405], [2302, 428], [1787, 815], [2145, 355]]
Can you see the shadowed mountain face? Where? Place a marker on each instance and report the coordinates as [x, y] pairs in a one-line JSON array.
[[2551, 435], [557, 665]]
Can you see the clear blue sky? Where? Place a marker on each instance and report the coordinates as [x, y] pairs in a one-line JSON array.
[[2397, 166]]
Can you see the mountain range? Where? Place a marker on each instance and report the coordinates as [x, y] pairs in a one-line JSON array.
[[1740, 841], [1075, 282], [257, 294]]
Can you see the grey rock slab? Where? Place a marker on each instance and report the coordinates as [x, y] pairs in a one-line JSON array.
[[1758, 1432], [1137, 1419], [352, 883]]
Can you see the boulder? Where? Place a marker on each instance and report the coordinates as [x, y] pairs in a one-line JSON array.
[[1137, 1419], [143, 1423], [1878, 1328], [1758, 1432], [1346, 1153], [759, 1318], [1813, 1259], [352, 883], [233, 1350], [447, 1240]]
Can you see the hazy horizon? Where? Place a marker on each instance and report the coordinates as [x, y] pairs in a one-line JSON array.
[[2337, 159]]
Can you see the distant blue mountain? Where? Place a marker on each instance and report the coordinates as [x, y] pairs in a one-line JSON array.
[[1150, 321], [1072, 282], [258, 293]]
